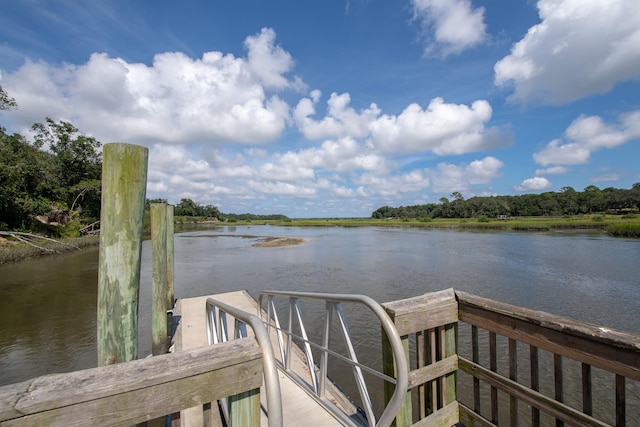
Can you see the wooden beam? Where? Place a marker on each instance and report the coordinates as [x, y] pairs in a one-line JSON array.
[[134, 392], [546, 404], [424, 312], [611, 350]]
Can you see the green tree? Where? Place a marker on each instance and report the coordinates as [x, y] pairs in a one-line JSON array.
[[78, 163], [6, 102]]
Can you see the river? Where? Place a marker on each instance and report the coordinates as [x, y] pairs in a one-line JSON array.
[[48, 305]]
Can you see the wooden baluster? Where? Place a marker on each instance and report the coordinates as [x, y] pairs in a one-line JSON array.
[[587, 405], [493, 365], [513, 375], [475, 355], [620, 402], [558, 380], [535, 383]]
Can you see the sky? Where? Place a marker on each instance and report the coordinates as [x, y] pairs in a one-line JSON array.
[[335, 108]]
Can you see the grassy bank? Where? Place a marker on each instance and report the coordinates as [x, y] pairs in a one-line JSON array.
[[11, 250], [615, 225]]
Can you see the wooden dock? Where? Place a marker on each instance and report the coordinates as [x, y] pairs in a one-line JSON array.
[[191, 333]]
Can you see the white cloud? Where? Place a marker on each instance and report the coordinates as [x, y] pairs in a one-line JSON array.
[[450, 26], [442, 128], [393, 185], [215, 99], [342, 155], [537, 183], [587, 134], [341, 120], [447, 177], [553, 170], [580, 48]]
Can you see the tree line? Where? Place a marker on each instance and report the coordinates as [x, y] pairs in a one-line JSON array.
[[565, 202]]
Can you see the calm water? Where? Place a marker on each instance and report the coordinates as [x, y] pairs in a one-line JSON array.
[[48, 305]]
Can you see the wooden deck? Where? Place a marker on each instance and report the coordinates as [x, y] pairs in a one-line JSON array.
[[191, 333]]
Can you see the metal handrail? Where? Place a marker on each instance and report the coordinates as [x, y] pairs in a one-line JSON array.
[[217, 331], [333, 303]]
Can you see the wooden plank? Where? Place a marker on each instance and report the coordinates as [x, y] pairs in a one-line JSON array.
[[493, 364], [137, 391], [446, 416], [450, 349], [621, 409], [513, 375], [433, 371], [469, 418], [587, 392], [613, 351], [245, 409], [535, 383], [475, 357], [424, 312], [558, 382], [544, 403]]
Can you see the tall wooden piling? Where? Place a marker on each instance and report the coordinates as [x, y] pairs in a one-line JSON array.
[[124, 180], [170, 279], [159, 269]]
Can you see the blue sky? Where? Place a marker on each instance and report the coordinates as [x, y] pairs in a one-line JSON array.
[[335, 108]]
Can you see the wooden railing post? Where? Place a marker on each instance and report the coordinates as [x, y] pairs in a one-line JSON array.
[[124, 180], [245, 409], [159, 268], [450, 349], [404, 416]]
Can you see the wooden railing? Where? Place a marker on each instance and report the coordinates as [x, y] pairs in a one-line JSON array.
[[513, 365], [137, 391]]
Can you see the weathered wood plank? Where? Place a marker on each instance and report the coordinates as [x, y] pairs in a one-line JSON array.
[[544, 403], [136, 391], [469, 418], [433, 371], [424, 312], [445, 416], [613, 351]]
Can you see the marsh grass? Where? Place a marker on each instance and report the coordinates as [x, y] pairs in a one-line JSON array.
[[616, 225], [11, 250]]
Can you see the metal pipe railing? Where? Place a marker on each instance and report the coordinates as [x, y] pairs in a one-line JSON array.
[[217, 331], [333, 303]]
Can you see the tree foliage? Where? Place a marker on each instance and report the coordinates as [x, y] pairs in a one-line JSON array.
[[54, 178], [567, 201]]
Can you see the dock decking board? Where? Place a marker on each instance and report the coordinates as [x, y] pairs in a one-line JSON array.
[[297, 405]]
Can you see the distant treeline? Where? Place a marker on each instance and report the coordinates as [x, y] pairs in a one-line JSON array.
[[565, 202], [188, 207]]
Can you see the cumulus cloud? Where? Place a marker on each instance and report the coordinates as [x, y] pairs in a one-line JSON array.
[[216, 98], [340, 120], [537, 183], [580, 48], [587, 134], [449, 26], [447, 177], [442, 128], [342, 155]]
